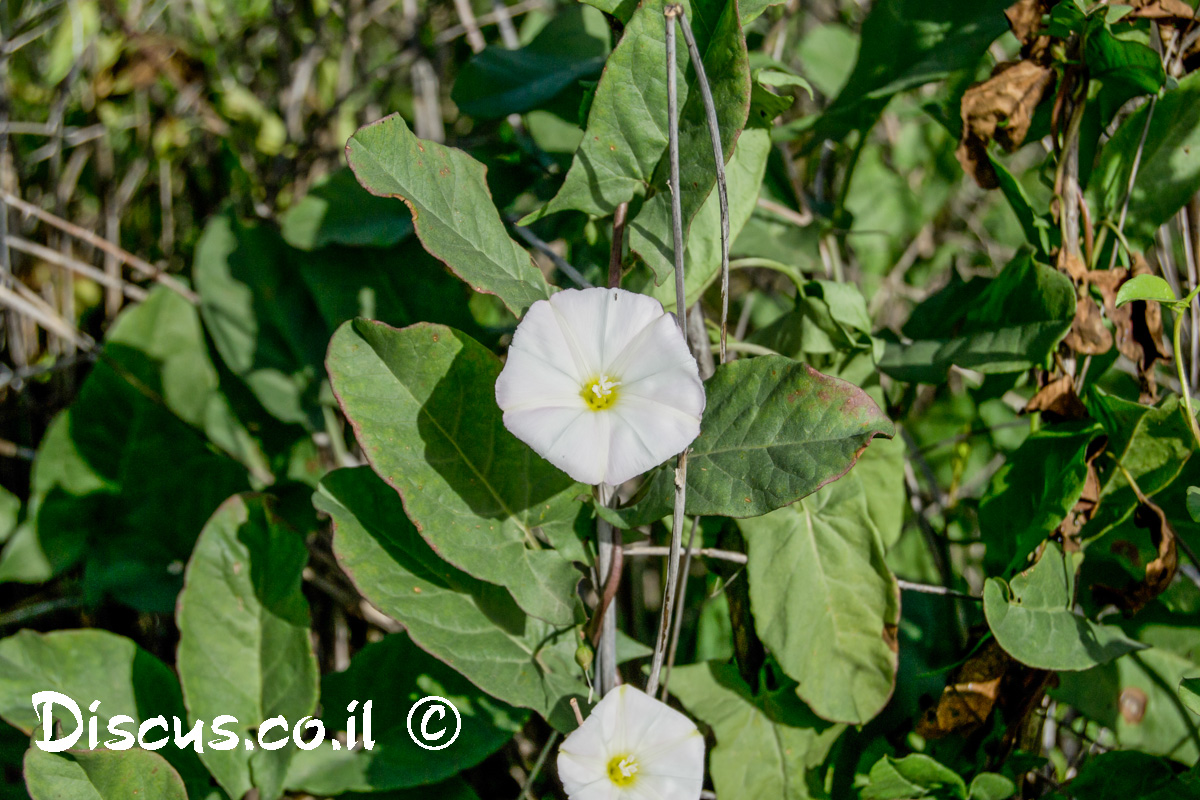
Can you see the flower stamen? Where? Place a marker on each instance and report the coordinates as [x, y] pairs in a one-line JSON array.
[[622, 770], [600, 393]]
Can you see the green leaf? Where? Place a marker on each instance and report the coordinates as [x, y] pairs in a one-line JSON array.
[[89, 665], [991, 786], [393, 674], [251, 304], [753, 9], [1189, 693], [723, 48], [1135, 697], [125, 478], [912, 777], [264, 304], [1115, 59], [339, 211], [10, 513], [774, 430], [1169, 170], [1035, 490], [1126, 774], [1038, 231], [824, 601], [1016, 322], [1145, 287], [242, 605], [624, 148], [744, 174], [1033, 621], [1193, 503], [474, 627], [452, 209], [423, 406], [769, 746], [101, 775], [827, 54], [906, 44], [1152, 444], [498, 82], [621, 9]]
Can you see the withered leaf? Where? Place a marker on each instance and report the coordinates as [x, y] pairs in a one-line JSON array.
[[1138, 325], [970, 694], [1058, 401], [1088, 334], [1088, 502], [1159, 572], [1025, 19], [990, 679], [1001, 109], [1072, 265], [1175, 11]]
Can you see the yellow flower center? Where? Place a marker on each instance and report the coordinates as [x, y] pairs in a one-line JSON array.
[[600, 393], [622, 770]]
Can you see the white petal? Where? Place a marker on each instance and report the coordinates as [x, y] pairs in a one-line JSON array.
[[576, 440], [646, 433], [660, 347], [541, 336], [673, 753], [585, 778], [604, 321], [650, 724], [655, 788], [528, 382]]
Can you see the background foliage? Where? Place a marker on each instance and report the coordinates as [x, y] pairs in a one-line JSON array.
[[230, 352]]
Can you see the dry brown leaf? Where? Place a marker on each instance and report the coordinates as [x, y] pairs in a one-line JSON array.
[[1025, 19], [990, 679], [1072, 265], [1058, 402], [1159, 572], [1175, 11], [1088, 502], [1000, 108], [969, 696], [1088, 334], [1138, 325]]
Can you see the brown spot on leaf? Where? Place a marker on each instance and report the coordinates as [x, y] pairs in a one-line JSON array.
[[444, 171], [891, 637], [416, 590], [1001, 109], [1132, 704]]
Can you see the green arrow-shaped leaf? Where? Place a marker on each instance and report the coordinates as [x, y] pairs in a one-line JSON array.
[[774, 431], [472, 626], [423, 405], [452, 209], [1033, 621], [245, 647]]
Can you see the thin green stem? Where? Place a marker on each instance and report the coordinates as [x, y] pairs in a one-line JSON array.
[[1184, 389]]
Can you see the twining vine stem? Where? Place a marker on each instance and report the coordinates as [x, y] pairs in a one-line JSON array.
[[670, 13], [714, 133]]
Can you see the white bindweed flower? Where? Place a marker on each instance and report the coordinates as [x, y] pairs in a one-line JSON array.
[[601, 384], [632, 747]]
